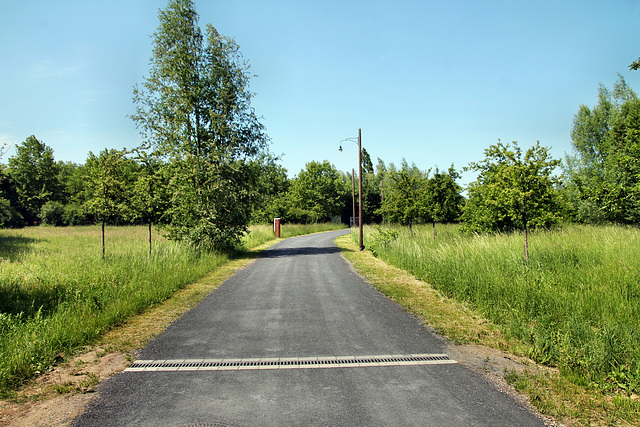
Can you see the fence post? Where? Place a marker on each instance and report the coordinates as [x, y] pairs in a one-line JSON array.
[[276, 227]]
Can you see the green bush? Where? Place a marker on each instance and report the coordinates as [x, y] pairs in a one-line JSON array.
[[74, 214], [9, 216], [52, 213]]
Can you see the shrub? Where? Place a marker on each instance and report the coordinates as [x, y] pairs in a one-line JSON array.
[[74, 214], [52, 213], [9, 216]]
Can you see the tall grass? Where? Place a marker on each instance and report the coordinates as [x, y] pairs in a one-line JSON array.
[[57, 294], [576, 303]]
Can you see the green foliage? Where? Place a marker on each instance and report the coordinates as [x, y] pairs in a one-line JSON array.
[[442, 196], [149, 192], [35, 177], [108, 186], [604, 171], [194, 112], [216, 216], [52, 213], [73, 179], [271, 189], [109, 189], [404, 197], [512, 192], [367, 165], [411, 196], [75, 214], [9, 216], [379, 241], [635, 65], [316, 194], [371, 195]]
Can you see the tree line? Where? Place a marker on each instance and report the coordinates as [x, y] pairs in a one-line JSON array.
[[203, 171]]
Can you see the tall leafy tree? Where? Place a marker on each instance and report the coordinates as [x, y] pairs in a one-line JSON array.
[[194, 112], [272, 185], [404, 196], [371, 192], [35, 176], [107, 182], [149, 193], [76, 193], [382, 179], [367, 165], [442, 197], [318, 193], [514, 191], [604, 170], [9, 215]]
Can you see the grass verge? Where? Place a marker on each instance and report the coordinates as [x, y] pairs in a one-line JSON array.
[[55, 397], [551, 392], [57, 294]]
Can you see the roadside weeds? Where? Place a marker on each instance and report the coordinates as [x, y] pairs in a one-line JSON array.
[[482, 346], [58, 396]]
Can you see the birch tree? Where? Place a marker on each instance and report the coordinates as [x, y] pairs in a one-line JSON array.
[[194, 112]]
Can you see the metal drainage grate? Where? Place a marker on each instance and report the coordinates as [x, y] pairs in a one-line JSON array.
[[202, 425], [288, 363]]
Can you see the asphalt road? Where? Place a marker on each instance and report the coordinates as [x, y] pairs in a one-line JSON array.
[[300, 300]]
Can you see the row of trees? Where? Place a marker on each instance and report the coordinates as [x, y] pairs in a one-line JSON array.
[[515, 189], [203, 170], [124, 187]]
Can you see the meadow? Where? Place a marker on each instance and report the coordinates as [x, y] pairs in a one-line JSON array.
[[575, 305], [57, 294]]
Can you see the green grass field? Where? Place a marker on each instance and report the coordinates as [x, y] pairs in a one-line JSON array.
[[57, 294], [575, 305]]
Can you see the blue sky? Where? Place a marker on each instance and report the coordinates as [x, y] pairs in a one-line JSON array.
[[435, 82]]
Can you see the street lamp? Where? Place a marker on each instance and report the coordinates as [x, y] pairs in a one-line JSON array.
[[359, 142]]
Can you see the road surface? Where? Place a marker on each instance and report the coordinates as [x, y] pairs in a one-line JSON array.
[[299, 339]]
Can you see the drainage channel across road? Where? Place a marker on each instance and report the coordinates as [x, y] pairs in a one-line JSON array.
[[282, 343], [289, 363]]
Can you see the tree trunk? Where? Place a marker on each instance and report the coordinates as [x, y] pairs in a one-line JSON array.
[[526, 243], [149, 237], [526, 232], [434, 229], [103, 250]]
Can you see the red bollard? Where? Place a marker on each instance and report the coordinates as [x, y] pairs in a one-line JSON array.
[[276, 227]]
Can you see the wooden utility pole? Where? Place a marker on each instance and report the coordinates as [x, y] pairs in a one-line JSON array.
[[360, 219]]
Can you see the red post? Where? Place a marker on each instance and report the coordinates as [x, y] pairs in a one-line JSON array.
[[276, 227]]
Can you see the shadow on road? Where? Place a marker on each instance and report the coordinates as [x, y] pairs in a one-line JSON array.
[[289, 252]]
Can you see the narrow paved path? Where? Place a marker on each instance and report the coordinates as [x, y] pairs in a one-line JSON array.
[[234, 360]]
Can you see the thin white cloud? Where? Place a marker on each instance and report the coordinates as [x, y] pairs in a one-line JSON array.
[[92, 96], [47, 69]]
